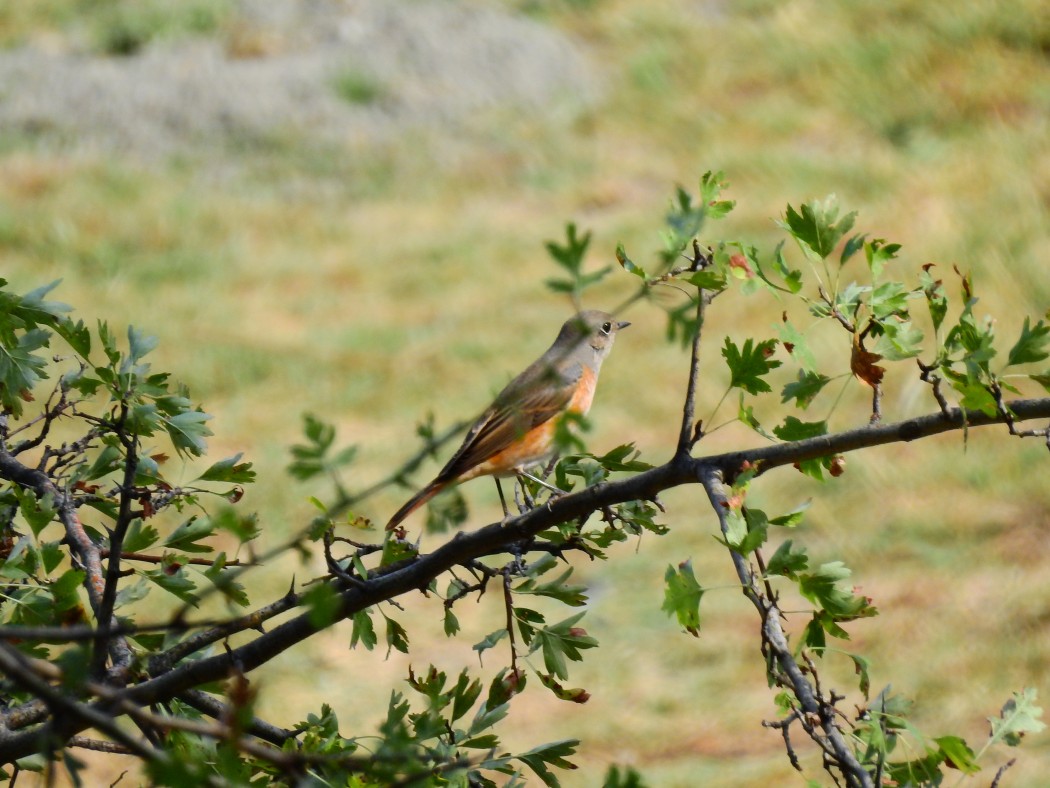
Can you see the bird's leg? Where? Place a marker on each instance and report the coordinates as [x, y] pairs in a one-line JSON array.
[[528, 502], [517, 549], [502, 500]]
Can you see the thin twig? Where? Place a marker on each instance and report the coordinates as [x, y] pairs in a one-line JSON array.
[[689, 433], [19, 669], [830, 738]]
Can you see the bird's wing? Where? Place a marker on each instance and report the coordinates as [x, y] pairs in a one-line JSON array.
[[524, 404]]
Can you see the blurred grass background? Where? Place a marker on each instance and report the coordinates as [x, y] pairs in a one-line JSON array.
[[372, 278]]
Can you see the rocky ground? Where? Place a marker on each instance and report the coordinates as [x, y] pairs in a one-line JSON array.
[[350, 70]]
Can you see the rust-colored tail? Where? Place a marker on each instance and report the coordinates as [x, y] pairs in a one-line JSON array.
[[415, 502]]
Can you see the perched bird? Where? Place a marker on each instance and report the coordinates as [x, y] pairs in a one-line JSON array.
[[518, 428]]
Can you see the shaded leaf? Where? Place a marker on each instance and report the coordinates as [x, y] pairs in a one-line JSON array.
[[682, 594]]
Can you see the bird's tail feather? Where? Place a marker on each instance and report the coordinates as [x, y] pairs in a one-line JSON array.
[[415, 502]]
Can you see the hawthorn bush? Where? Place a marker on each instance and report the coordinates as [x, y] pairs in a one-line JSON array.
[[94, 530]]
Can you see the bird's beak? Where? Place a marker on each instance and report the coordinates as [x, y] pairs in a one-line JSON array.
[[622, 324]]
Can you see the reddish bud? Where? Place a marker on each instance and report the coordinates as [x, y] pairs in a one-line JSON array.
[[740, 262], [838, 465]]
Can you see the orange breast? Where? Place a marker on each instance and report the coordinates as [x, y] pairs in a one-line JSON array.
[[533, 446], [584, 396], [536, 444]]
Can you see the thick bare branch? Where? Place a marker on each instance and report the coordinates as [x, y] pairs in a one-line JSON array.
[[167, 679]]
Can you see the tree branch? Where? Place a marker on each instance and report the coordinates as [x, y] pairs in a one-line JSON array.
[[832, 741], [392, 581]]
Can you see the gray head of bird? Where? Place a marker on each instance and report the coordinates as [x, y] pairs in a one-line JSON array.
[[592, 328]]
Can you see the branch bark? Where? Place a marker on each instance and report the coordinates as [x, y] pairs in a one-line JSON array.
[[167, 680]]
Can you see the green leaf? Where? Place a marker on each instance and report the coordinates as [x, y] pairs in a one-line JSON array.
[[792, 277], [747, 365], [803, 390], [627, 265], [937, 302], [395, 550], [1031, 345], [975, 396], [746, 414], [792, 518], [65, 590], [490, 641], [684, 220], [623, 458], [554, 754], [322, 604], [244, 527], [628, 779], [851, 247], [796, 430], [139, 536], [570, 255], [37, 512], [958, 754], [572, 595], [228, 470], [1043, 379], [889, 298], [816, 227], [736, 529], [363, 630], [108, 460], [188, 431], [1019, 716], [133, 593], [175, 582], [396, 637], [51, 555], [139, 344], [712, 184], [682, 594], [562, 641], [794, 342], [188, 534], [225, 583], [878, 253], [822, 588], [899, 340], [76, 334], [21, 368], [504, 686], [708, 280], [464, 695], [786, 561], [33, 309], [862, 666], [757, 528], [451, 622]]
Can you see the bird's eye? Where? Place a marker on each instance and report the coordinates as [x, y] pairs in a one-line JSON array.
[[606, 328]]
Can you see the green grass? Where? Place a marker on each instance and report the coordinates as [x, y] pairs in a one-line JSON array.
[[371, 286], [356, 87]]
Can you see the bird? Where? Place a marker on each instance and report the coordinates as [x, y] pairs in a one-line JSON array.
[[518, 428]]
